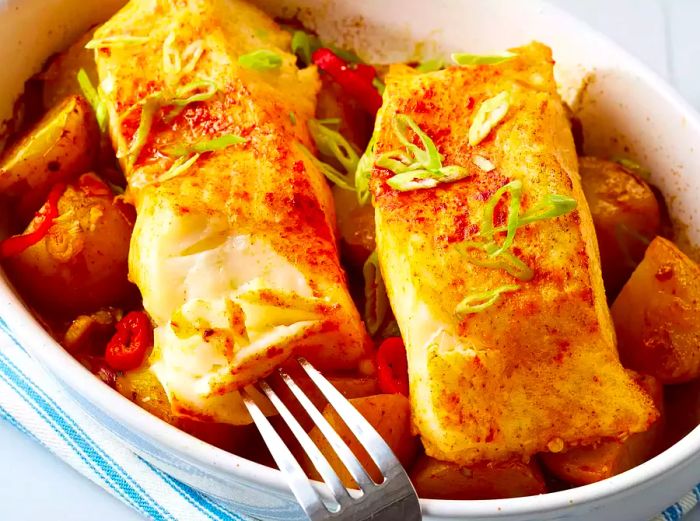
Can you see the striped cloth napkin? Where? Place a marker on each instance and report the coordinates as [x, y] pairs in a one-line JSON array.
[[33, 402]]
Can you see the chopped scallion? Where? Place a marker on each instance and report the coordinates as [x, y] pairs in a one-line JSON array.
[[304, 45], [292, 118], [332, 143], [430, 65], [478, 302], [514, 188], [179, 167], [363, 173], [461, 58], [632, 166], [210, 145], [94, 99], [260, 60], [489, 114], [332, 174]]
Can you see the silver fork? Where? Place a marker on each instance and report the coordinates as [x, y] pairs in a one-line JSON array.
[[394, 498]]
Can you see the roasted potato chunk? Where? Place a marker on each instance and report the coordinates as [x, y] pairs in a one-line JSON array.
[[584, 465], [625, 215], [60, 79], [62, 145], [356, 226], [389, 414], [143, 388], [80, 265], [657, 315], [436, 479]]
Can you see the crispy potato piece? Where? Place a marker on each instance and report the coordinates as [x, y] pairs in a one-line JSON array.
[[657, 315], [62, 145], [437, 479], [143, 388], [355, 386], [61, 76], [625, 215], [584, 465], [389, 414], [81, 264]]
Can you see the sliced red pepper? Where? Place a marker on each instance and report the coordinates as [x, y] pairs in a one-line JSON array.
[[129, 345], [93, 186], [392, 367], [45, 216], [356, 80]]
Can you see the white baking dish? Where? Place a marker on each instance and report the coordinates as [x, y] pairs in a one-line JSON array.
[[625, 109]]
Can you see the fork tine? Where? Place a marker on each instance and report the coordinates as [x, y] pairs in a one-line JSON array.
[[307, 497], [317, 458], [375, 446], [355, 468]]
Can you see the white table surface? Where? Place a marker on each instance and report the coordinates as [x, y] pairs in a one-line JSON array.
[[34, 485]]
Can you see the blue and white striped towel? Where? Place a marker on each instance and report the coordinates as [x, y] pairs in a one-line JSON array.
[[32, 402]]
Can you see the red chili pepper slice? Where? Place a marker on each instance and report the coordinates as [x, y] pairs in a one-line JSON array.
[[134, 337], [46, 214], [392, 367], [356, 80], [92, 185]]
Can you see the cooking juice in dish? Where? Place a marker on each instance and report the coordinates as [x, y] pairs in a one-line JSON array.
[[208, 193]]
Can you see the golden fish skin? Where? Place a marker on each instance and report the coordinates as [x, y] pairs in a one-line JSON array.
[[235, 255], [538, 370]]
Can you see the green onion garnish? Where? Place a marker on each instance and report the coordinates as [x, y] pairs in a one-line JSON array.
[[363, 173], [376, 300], [461, 58], [379, 85], [172, 62], [292, 118], [210, 145], [480, 301], [490, 113], [345, 54], [200, 90], [94, 99], [416, 167], [430, 65], [553, 205], [260, 60], [116, 41], [149, 106], [507, 262], [332, 174], [304, 45], [633, 166], [514, 188], [331, 143], [179, 166]]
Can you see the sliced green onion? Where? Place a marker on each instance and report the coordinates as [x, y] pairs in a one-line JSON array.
[[292, 118], [431, 65], [94, 99], [333, 175], [379, 85], [172, 62], [179, 167], [331, 143], [428, 156], [191, 55], [329, 122], [461, 58], [514, 188], [633, 166], [490, 113], [149, 106], [376, 299], [553, 205], [507, 262], [478, 302], [304, 45], [260, 60], [200, 90], [124, 40], [345, 54], [413, 180], [363, 173], [210, 145]]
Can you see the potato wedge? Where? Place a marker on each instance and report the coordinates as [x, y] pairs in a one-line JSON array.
[[81, 264], [625, 215], [143, 388], [657, 315], [389, 414], [437, 479], [62, 145], [584, 465], [60, 79]]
